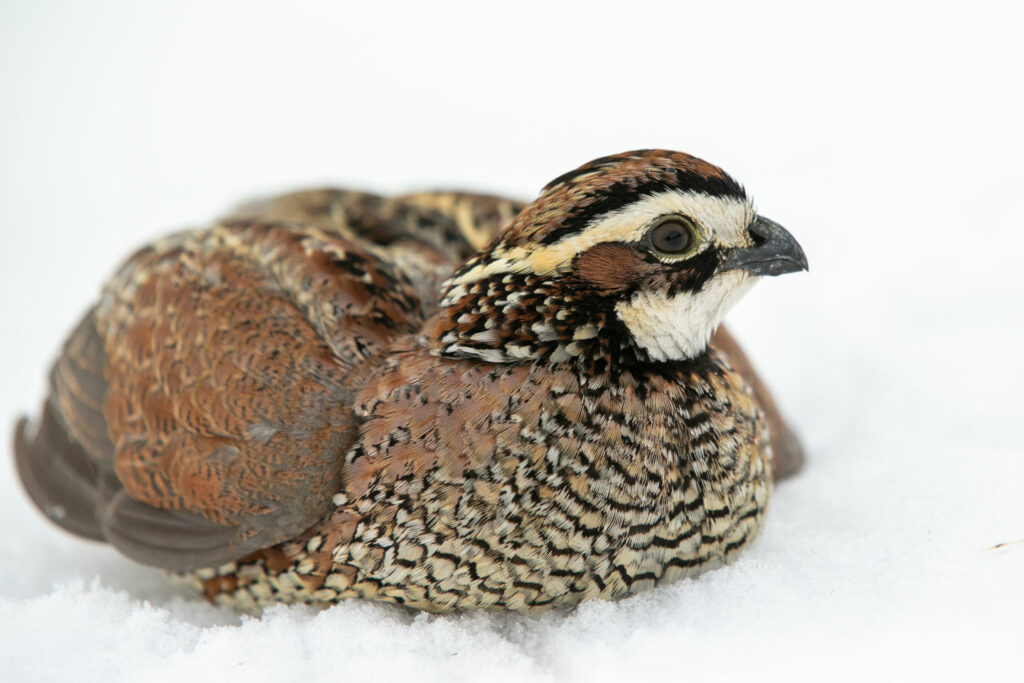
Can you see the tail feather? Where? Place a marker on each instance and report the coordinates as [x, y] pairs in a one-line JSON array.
[[58, 474]]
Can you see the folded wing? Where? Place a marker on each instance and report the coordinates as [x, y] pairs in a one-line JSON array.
[[202, 410]]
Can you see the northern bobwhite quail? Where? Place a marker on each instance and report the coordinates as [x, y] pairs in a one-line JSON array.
[[305, 402]]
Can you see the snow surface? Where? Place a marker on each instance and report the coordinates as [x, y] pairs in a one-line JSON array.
[[886, 137]]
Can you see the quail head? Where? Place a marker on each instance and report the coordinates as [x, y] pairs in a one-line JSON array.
[[444, 400]]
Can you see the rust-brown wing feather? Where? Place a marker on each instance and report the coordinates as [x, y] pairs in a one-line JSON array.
[[222, 413]]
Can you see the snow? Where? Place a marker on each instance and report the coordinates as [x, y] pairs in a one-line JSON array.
[[886, 137]]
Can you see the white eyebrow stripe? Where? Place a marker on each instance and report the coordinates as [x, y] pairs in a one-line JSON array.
[[723, 218]]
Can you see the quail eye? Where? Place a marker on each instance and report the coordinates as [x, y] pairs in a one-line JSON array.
[[673, 236]]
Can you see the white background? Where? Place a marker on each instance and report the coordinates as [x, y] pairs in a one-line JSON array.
[[886, 137]]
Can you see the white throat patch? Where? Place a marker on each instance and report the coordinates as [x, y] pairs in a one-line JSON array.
[[679, 327]]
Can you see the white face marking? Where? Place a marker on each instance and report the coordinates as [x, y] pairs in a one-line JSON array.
[[721, 219], [724, 219], [680, 327]]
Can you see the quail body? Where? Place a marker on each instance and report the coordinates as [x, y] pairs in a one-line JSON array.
[[444, 400]]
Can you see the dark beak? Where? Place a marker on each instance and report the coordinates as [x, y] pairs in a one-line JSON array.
[[774, 252]]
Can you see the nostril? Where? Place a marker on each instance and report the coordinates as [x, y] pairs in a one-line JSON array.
[[759, 234]]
